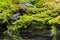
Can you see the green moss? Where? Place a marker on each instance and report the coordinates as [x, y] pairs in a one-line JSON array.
[[44, 12]]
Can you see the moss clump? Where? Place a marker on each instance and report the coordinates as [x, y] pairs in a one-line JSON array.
[[40, 16]]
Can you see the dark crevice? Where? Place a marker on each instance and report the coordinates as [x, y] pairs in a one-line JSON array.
[[3, 28], [48, 26]]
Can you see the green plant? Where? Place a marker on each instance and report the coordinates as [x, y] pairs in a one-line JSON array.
[[44, 13]]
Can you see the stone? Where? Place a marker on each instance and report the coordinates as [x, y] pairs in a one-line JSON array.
[[29, 5], [15, 16], [22, 8]]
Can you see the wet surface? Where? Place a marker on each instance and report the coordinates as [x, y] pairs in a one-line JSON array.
[[36, 36], [15, 16]]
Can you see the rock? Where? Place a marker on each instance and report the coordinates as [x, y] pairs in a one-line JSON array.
[[29, 5], [22, 8], [15, 17]]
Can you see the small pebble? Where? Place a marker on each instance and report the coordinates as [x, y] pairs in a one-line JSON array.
[[15, 16], [29, 5]]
